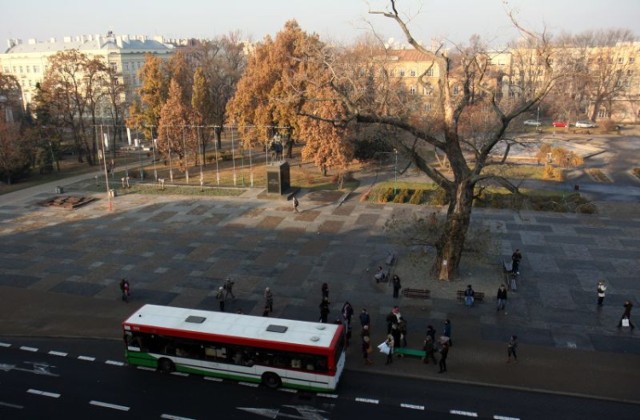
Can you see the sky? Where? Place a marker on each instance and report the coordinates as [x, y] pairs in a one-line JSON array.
[[334, 20]]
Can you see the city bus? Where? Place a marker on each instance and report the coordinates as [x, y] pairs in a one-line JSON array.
[[271, 351]]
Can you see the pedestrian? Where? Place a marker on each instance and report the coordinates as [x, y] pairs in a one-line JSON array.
[[601, 291], [625, 319], [268, 299], [380, 275], [444, 352], [366, 349], [347, 313], [469, 296], [429, 350], [393, 318], [447, 332], [515, 261], [295, 203], [402, 326], [325, 291], [266, 310], [365, 331], [228, 288], [395, 333], [396, 285], [431, 332], [390, 343], [324, 310], [512, 346], [220, 297], [124, 289], [502, 298], [365, 319]]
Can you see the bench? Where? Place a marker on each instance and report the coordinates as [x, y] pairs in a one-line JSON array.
[[416, 293], [404, 351], [477, 297]]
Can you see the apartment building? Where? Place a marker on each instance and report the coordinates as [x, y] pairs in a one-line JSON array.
[[28, 62]]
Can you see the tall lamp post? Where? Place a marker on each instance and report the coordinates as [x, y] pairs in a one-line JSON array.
[[106, 175], [395, 173]]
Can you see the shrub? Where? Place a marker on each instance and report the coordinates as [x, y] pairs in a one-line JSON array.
[[417, 197], [402, 196]]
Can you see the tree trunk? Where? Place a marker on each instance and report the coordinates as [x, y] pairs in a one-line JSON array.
[[450, 244], [217, 131]]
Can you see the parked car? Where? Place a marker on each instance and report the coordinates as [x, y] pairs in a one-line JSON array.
[[559, 124], [533, 123], [586, 124]]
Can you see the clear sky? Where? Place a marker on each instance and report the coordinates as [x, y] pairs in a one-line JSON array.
[[336, 20]]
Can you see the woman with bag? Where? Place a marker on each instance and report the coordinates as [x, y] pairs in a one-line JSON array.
[[366, 349], [625, 319], [387, 348]]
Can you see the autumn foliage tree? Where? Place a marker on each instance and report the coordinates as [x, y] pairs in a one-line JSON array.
[[175, 137]]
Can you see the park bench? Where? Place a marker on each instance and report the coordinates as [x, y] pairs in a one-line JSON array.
[[477, 296], [416, 293], [404, 351]]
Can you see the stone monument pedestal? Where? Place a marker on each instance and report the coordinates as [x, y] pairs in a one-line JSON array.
[[278, 178]]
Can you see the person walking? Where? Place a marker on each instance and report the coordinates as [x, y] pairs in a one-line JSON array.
[[365, 319], [220, 298], [295, 204], [444, 352], [324, 310], [625, 319], [447, 332], [429, 350], [469, 296], [502, 298], [366, 349], [396, 285], [512, 346], [347, 313], [601, 292], [228, 288], [516, 257], [431, 332], [325, 291], [124, 289], [268, 299], [390, 343]]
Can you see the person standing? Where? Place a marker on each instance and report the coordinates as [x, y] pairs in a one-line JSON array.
[[601, 292], [124, 289], [347, 313], [502, 298], [366, 349], [516, 257], [220, 297], [228, 288], [324, 310], [390, 343], [447, 332], [512, 346], [365, 319], [429, 350], [626, 315], [325, 291], [268, 300], [469, 296], [444, 352], [295, 203], [431, 332], [396, 285]]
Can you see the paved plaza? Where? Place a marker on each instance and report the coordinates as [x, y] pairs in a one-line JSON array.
[[59, 274]]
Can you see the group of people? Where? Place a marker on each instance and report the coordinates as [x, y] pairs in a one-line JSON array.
[[224, 292]]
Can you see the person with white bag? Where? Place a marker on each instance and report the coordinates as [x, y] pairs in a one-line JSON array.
[[625, 319], [386, 347]]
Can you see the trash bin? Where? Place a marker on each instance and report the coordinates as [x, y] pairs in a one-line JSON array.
[[113, 193], [59, 190]]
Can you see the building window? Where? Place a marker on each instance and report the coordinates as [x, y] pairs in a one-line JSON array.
[[620, 60], [7, 70], [632, 60], [36, 69], [28, 69], [412, 90], [401, 72], [430, 72], [603, 113], [412, 73], [21, 69], [14, 70]]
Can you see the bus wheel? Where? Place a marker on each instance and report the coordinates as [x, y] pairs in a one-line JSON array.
[[271, 380], [166, 366]]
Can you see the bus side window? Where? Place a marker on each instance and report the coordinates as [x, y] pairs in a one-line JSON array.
[[296, 363], [209, 352]]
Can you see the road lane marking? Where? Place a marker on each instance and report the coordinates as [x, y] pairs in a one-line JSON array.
[[87, 358], [412, 406], [31, 349], [327, 395], [43, 393], [114, 363], [291, 391], [172, 417], [497, 417], [464, 413], [58, 353], [4, 404], [179, 374], [145, 368], [108, 405], [367, 400], [211, 378], [249, 384], [5, 345]]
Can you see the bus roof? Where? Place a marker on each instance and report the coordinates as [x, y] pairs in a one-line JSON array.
[[305, 333]]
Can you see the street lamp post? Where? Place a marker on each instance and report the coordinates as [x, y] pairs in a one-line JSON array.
[[395, 173], [106, 175]]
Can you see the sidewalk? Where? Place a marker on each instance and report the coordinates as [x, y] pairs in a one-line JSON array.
[[59, 272]]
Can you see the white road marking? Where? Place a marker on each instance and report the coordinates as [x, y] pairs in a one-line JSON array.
[[291, 391], [87, 358], [31, 349], [327, 395], [464, 413], [367, 400], [5, 345], [249, 384], [211, 378], [146, 368], [172, 417], [412, 406], [58, 353], [43, 393], [114, 363], [4, 404], [497, 417], [179, 374], [107, 405]]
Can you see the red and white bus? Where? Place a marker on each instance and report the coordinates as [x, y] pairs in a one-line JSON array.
[[272, 351]]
